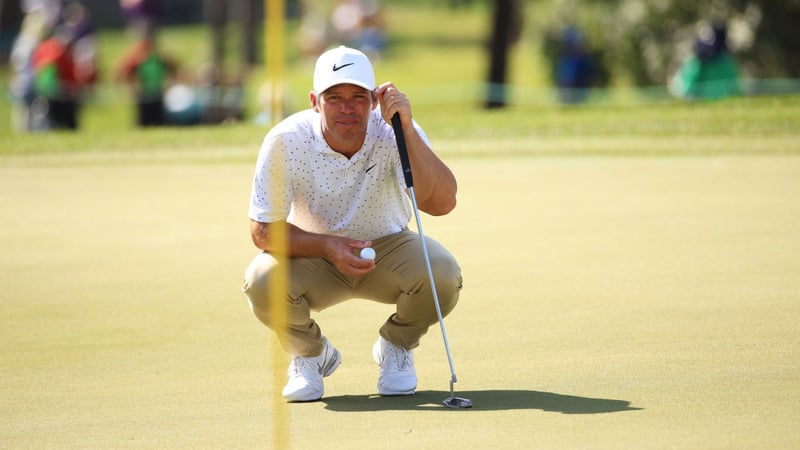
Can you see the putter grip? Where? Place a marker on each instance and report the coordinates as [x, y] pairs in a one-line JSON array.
[[402, 149]]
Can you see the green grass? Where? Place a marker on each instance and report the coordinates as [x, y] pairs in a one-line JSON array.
[[608, 302]]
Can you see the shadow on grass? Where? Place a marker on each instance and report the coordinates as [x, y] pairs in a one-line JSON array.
[[482, 400]]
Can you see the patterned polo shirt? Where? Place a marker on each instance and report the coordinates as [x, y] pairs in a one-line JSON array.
[[299, 178]]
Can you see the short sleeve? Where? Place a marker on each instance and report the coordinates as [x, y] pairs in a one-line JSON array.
[[271, 195]]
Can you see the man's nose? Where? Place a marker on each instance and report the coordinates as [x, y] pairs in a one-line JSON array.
[[347, 105]]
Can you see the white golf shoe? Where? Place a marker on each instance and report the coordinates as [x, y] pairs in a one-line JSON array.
[[398, 376], [305, 374]]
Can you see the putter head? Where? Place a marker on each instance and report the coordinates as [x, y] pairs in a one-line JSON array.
[[457, 402]]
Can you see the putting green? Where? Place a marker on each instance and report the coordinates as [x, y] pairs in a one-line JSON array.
[[608, 303]]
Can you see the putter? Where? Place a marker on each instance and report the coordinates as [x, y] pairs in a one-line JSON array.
[[452, 401]]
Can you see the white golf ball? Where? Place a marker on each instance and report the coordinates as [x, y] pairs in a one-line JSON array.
[[367, 253]]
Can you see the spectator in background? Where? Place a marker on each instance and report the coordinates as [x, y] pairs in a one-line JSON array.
[[371, 40], [220, 99], [357, 23], [148, 73], [84, 47], [575, 69], [41, 16], [219, 93], [142, 16], [64, 67], [346, 19], [218, 13], [710, 71]]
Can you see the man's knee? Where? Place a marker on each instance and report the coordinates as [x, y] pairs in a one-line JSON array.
[[256, 280], [447, 275]]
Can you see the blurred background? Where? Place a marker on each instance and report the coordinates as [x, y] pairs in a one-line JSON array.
[[139, 63]]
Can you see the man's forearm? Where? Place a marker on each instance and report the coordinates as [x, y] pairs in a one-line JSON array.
[[301, 243], [434, 183]]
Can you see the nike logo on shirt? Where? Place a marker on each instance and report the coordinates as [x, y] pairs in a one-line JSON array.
[[371, 167]]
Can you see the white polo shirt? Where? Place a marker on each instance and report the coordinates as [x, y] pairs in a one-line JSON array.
[[299, 178]]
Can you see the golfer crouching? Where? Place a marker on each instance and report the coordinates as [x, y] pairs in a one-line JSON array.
[[333, 174]]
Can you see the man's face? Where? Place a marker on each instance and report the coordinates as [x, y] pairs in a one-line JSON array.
[[345, 110]]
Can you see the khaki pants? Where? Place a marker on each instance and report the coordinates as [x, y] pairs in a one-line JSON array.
[[400, 279]]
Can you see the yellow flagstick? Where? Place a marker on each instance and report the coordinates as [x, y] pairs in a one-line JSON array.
[[278, 284], [274, 17]]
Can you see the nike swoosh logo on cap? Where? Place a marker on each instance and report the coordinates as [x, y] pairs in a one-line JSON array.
[[341, 67]]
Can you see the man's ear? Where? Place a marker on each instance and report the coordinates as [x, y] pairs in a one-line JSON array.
[[312, 96]]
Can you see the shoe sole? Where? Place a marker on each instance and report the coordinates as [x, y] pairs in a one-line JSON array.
[[396, 394]]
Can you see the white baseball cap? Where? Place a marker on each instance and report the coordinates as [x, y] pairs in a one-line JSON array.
[[343, 65]]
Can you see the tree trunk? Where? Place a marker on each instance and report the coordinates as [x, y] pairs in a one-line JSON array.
[[505, 30]]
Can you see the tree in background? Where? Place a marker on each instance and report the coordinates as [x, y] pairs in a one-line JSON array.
[[506, 26], [644, 40], [776, 44]]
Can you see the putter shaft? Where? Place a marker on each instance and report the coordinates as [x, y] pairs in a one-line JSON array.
[[452, 401]]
